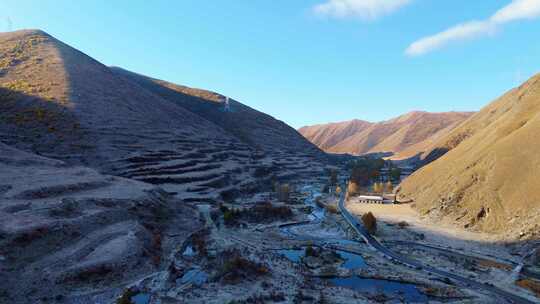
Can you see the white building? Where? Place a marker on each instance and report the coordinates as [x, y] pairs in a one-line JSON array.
[[368, 199]]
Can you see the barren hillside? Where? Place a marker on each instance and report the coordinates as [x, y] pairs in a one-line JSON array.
[[68, 228], [326, 136], [489, 178], [405, 136], [59, 102], [252, 127]]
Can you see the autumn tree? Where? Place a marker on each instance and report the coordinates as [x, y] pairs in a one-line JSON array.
[[283, 192], [333, 177], [378, 188], [388, 187], [395, 174], [353, 188], [370, 222]]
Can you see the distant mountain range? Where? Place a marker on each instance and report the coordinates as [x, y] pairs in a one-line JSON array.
[[489, 176], [406, 136]]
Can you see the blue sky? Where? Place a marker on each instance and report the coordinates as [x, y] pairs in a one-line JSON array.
[[308, 62]]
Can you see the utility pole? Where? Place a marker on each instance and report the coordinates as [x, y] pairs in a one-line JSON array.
[[227, 107]]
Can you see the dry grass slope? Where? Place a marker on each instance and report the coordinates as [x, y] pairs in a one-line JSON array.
[[61, 103], [489, 180]]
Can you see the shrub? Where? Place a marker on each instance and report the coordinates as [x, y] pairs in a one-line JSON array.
[[261, 212], [199, 241], [310, 251], [333, 177], [266, 212], [332, 208], [403, 224], [126, 296], [156, 247], [234, 268], [370, 222], [364, 170], [325, 189], [262, 172], [530, 284], [353, 188], [231, 217], [395, 174], [283, 192]]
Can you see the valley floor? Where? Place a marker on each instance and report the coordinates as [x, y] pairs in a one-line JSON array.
[[475, 255], [436, 233]]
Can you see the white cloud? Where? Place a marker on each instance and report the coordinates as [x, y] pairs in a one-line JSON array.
[[516, 10], [459, 32], [367, 10]]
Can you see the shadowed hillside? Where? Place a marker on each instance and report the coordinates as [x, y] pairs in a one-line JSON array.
[[252, 127], [100, 169], [326, 136], [489, 178], [405, 136], [61, 223], [62, 104]]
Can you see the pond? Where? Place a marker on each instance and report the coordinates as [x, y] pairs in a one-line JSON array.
[[141, 298], [352, 261], [407, 292], [293, 255]]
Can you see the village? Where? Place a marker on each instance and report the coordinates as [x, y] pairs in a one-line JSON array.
[[297, 247]]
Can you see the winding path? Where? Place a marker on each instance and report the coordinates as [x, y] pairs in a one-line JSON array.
[[373, 242]]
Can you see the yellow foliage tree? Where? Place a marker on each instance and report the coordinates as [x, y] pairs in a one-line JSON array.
[[353, 188], [378, 188], [388, 187]]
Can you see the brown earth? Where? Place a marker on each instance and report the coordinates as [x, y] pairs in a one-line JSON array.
[[60, 103], [73, 232], [489, 178], [100, 169], [405, 136]]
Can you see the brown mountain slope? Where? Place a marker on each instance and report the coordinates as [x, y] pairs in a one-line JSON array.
[[62, 223], [254, 128], [405, 136], [59, 102], [96, 167], [490, 177], [326, 136]]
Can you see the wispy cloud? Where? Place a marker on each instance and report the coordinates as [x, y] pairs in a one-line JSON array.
[[459, 32], [515, 11], [367, 10]]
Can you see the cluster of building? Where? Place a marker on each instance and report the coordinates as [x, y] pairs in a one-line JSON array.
[[375, 199]]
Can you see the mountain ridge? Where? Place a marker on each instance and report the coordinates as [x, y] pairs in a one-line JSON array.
[[101, 172], [65, 105], [487, 178], [406, 136]]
